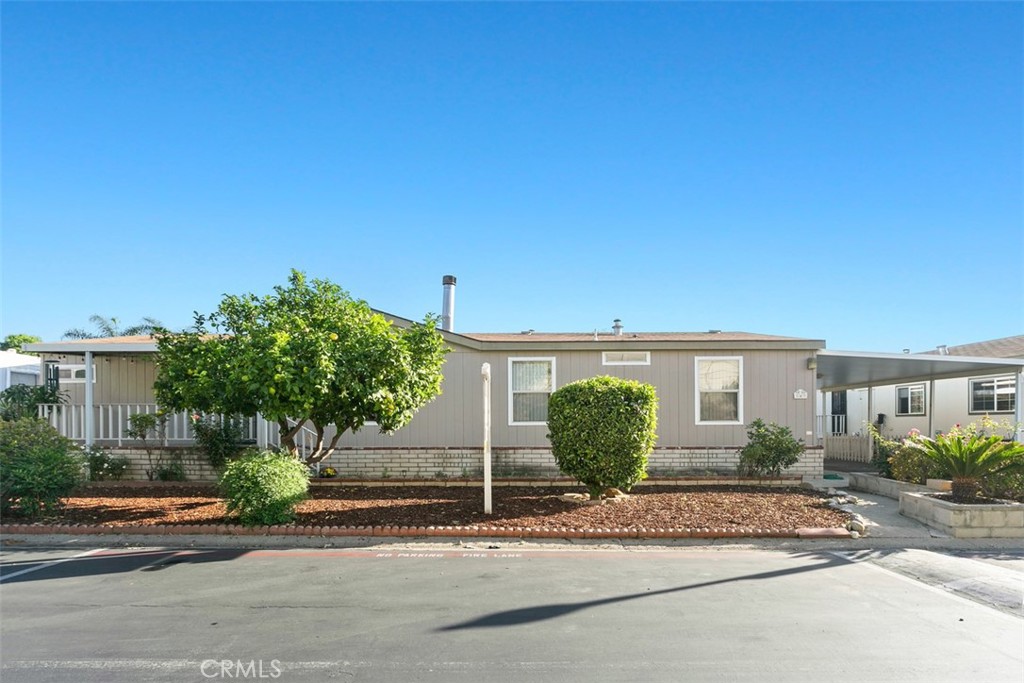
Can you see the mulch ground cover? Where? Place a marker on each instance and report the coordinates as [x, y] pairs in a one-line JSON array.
[[716, 507]]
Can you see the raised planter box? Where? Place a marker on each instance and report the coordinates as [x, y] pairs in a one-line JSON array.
[[999, 520], [704, 480]]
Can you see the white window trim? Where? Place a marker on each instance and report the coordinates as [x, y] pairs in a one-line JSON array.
[[995, 380], [924, 401], [73, 367], [696, 392], [554, 384], [605, 361]]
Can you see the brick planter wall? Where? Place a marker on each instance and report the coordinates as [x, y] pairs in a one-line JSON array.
[[437, 463], [1005, 520]]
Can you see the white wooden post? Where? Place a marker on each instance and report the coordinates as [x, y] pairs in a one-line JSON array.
[[1018, 406], [89, 417], [485, 372], [931, 409]]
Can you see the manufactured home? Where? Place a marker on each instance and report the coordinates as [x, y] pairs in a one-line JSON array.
[[710, 385]]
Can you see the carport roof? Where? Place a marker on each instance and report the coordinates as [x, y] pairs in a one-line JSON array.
[[838, 370]]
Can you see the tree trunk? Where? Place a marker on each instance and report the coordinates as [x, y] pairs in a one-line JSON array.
[[964, 489]]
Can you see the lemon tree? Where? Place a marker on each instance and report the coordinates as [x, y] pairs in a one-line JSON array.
[[307, 354]]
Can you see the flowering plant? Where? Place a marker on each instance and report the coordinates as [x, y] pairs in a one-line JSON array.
[[328, 473]]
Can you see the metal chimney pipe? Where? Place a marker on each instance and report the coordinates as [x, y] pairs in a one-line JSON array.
[[617, 328], [448, 304]]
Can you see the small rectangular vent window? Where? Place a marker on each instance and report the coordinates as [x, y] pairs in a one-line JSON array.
[[626, 358]]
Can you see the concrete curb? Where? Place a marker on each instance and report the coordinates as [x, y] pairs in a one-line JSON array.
[[460, 532]]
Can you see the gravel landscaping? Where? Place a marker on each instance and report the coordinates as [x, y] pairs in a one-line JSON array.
[[714, 507]]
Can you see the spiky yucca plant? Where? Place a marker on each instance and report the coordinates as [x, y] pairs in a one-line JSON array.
[[967, 458]]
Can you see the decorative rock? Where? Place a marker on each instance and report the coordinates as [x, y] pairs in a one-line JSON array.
[[614, 493], [857, 526], [574, 497]]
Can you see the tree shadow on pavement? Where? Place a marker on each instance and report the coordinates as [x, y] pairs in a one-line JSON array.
[[527, 615]]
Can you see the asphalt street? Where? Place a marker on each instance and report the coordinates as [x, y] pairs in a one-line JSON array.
[[512, 613]]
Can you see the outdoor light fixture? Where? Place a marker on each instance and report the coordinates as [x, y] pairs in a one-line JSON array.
[[812, 363]]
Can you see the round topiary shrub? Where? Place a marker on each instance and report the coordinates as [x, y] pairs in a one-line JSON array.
[[38, 467], [602, 429], [264, 487]]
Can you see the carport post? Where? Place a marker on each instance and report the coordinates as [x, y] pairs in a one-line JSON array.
[[1018, 407], [89, 379], [871, 405], [931, 409]]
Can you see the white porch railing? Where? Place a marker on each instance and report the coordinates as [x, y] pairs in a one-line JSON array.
[[831, 425], [848, 448], [111, 422]]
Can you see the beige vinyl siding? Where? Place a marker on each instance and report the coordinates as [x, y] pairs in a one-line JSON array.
[[119, 379], [455, 418]]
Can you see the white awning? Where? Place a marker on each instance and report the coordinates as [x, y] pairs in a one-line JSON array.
[[838, 370]]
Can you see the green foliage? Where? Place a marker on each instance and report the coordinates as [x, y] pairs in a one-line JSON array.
[[1008, 484], [14, 341], [111, 327], [909, 464], [174, 470], [770, 449], [38, 467], [142, 426], [263, 487], [969, 457], [602, 429], [307, 352], [219, 436], [883, 448], [23, 400], [103, 466]]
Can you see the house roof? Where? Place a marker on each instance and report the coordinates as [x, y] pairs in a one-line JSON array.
[[568, 341], [1007, 347], [561, 337]]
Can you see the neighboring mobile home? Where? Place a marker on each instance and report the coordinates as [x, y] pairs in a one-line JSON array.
[[932, 406]]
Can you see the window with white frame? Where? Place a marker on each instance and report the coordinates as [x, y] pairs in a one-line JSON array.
[[626, 358], [719, 389], [910, 400], [73, 373], [993, 395], [530, 383]]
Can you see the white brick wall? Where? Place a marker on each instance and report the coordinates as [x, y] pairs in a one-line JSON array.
[[434, 463]]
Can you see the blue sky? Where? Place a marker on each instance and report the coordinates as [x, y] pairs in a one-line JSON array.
[[852, 172]]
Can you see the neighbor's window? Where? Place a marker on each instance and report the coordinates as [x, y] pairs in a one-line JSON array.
[[910, 400], [719, 389], [530, 383], [993, 395], [626, 358]]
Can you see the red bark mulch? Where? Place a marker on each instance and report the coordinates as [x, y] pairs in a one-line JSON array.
[[717, 507]]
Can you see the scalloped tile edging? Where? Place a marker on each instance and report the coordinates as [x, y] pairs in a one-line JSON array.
[[415, 531]]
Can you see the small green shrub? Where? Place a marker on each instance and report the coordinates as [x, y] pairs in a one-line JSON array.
[[910, 464], [103, 466], [883, 448], [770, 449], [263, 487], [171, 471], [38, 467], [602, 429], [1007, 485], [219, 436]]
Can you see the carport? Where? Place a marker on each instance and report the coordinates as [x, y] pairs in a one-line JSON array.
[[841, 370]]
